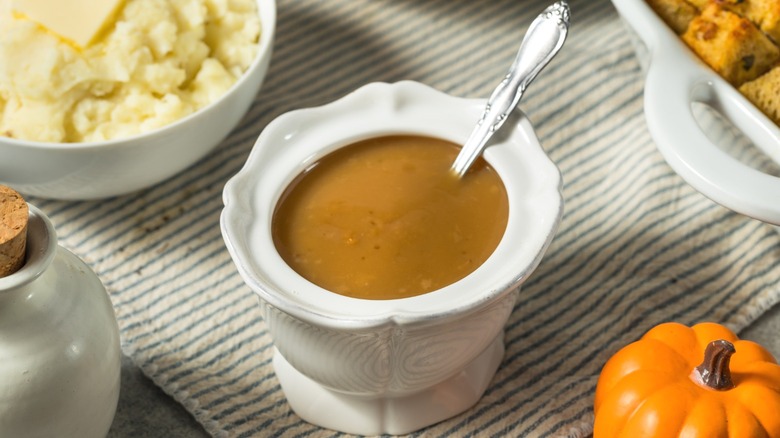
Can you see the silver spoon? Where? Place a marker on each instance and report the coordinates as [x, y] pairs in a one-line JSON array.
[[542, 41]]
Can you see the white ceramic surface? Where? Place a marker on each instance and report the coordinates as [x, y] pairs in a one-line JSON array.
[[676, 79], [103, 169], [59, 344], [387, 366]]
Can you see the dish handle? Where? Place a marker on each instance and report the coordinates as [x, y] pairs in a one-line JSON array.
[[670, 92]]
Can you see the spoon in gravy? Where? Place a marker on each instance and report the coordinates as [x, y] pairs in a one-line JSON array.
[[542, 41]]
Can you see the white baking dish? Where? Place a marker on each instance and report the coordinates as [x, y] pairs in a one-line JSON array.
[[692, 141]]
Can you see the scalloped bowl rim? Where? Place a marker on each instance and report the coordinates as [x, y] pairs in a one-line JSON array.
[[241, 223]]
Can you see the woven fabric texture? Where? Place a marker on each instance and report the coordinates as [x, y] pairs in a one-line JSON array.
[[637, 246]]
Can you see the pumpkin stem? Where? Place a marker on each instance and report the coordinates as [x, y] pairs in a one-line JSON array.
[[714, 370]]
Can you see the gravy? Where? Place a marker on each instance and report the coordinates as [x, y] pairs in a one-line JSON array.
[[385, 218]]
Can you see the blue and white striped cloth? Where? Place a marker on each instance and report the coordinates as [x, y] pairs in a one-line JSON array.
[[637, 246]]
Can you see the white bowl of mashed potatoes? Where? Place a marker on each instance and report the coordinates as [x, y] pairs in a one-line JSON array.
[[162, 86]]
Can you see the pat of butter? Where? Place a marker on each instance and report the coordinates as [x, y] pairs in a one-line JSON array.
[[78, 22]]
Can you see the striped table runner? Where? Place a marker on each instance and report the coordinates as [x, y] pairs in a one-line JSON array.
[[636, 247]]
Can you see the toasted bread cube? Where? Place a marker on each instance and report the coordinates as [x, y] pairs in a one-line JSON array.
[[763, 13], [764, 92], [733, 46], [766, 14], [676, 13]]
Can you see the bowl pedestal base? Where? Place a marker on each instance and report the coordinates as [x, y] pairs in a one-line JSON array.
[[362, 415]]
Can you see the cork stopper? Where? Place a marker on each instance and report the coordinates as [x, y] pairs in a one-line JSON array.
[[13, 231]]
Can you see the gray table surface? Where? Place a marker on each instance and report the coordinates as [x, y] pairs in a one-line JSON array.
[[146, 411]]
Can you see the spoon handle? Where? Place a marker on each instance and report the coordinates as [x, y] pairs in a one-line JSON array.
[[542, 41]]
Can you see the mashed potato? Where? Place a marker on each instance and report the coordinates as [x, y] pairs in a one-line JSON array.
[[162, 60]]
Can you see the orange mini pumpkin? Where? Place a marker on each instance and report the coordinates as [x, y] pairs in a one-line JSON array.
[[680, 381]]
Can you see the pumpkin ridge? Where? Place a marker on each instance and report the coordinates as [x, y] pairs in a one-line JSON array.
[[629, 359], [707, 332], [741, 421], [767, 411], [750, 353], [698, 423], [637, 385], [675, 336], [669, 405], [765, 374]]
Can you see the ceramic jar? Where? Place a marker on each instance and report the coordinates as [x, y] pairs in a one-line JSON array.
[[387, 366], [59, 344]]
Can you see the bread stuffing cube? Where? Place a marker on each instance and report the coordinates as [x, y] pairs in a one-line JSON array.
[[766, 14], [732, 45], [763, 13], [764, 92]]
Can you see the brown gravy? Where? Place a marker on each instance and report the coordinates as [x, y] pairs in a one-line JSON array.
[[385, 218]]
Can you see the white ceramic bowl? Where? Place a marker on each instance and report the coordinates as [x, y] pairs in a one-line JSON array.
[[108, 168], [676, 80], [387, 366]]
